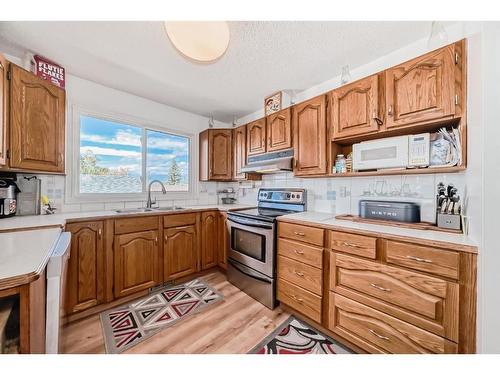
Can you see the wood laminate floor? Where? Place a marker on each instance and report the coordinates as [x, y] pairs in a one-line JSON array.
[[235, 325]]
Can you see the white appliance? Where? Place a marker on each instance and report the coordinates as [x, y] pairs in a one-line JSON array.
[[401, 152], [56, 280]]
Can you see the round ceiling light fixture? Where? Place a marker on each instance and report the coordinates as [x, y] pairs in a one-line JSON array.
[[202, 41]]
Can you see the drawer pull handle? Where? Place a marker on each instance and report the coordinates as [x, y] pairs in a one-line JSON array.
[[298, 252], [300, 300], [380, 287], [299, 273], [299, 234], [416, 259], [350, 244], [379, 336]]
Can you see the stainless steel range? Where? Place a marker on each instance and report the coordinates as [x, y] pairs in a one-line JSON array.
[[252, 251]]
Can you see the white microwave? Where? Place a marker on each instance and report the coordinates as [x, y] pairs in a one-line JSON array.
[[406, 151]]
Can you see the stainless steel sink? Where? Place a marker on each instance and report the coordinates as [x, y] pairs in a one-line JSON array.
[[171, 208], [144, 209], [133, 210]]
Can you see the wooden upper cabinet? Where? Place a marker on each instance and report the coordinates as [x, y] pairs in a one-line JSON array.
[[85, 287], [180, 252], [216, 150], [422, 89], [239, 151], [37, 118], [256, 137], [4, 95], [279, 130], [309, 128], [356, 108], [137, 262], [209, 239], [220, 144]]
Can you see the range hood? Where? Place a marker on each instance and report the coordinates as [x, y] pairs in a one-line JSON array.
[[273, 162]]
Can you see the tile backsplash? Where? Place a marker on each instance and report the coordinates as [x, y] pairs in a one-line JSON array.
[[53, 186], [341, 195]]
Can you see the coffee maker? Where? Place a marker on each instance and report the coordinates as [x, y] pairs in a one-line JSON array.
[[8, 197]]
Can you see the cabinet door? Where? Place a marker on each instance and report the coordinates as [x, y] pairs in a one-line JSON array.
[[179, 252], [355, 108], [223, 240], [422, 89], [85, 287], [136, 262], [220, 149], [36, 123], [309, 124], [3, 109], [279, 130], [209, 239], [239, 151], [256, 137]]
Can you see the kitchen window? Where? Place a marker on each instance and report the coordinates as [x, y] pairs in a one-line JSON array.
[[116, 158]]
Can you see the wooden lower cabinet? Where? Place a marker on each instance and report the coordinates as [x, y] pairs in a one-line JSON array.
[[300, 299], [383, 295], [137, 262], [377, 332], [209, 239], [86, 275], [223, 240], [180, 253]]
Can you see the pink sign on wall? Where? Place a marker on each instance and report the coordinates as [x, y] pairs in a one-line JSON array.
[[49, 71]]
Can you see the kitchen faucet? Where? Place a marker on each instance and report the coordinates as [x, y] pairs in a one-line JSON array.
[[150, 203]]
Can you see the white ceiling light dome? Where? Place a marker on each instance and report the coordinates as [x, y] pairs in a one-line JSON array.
[[202, 41]]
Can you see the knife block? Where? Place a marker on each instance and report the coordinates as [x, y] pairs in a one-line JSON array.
[[449, 221]]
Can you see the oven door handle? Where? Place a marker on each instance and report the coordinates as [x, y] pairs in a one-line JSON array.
[[249, 223], [249, 273]]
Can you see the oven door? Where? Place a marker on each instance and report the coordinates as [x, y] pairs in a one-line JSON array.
[[252, 244]]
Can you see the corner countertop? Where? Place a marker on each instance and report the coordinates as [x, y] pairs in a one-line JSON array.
[[451, 241], [26, 242], [24, 254], [59, 220]]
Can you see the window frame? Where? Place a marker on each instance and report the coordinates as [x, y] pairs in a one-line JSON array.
[[72, 188]]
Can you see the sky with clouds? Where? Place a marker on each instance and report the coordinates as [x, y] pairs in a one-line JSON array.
[[119, 145]]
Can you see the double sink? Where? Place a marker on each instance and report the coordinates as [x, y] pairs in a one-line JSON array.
[[145, 209]]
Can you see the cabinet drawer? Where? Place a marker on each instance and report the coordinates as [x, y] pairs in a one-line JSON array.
[[314, 236], [300, 299], [423, 300], [301, 274], [179, 220], [136, 224], [354, 244], [427, 259], [377, 332], [311, 255]]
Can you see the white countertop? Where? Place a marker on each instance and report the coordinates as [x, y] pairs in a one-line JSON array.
[[429, 235], [40, 221], [26, 242], [24, 254]]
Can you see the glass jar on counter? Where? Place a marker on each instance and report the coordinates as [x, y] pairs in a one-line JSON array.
[[340, 164]]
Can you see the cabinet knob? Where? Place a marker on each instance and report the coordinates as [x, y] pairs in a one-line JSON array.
[[99, 233], [389, 110]]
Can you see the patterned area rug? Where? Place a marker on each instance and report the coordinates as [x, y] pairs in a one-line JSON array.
[[126, 326], [296, 337]]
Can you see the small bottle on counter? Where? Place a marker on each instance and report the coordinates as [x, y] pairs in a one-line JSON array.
[[340, 164]]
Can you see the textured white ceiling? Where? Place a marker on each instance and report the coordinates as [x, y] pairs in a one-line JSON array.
[[263, 57]]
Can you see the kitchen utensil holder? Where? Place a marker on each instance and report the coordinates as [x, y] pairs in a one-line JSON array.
[[449, 221]]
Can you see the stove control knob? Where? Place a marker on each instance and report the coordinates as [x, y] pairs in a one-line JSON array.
[[288, 196], [269, 195], [293, 195]]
